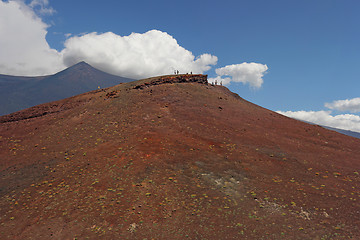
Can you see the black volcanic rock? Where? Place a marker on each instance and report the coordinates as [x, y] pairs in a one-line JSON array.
[[17, 93]]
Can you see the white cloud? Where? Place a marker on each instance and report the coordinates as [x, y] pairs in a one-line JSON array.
[[24, 50], [351, 105], [135, 56], [42, 7], [343, 121], [247, 73]]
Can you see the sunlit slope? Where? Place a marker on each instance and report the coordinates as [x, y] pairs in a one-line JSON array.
[[173, 158]]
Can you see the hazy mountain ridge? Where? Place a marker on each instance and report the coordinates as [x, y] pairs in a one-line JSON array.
[[342, 131], [345, 132], [18, 93]]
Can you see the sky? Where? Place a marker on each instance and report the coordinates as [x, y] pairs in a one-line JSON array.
[[299, 58]]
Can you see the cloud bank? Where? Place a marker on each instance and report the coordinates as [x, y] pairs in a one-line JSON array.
[[344, 121], [246, 73], [135, 56], [351, 105], [25, 51]]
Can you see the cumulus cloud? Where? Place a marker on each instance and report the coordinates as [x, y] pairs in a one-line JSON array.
[[246, 73], [344, 121], [24, 49], [351, 105], [135, 56]]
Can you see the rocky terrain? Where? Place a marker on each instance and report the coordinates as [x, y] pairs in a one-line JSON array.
[[173, 157]]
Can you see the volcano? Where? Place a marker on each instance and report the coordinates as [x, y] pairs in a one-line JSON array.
[[17, 93], [173, 157]]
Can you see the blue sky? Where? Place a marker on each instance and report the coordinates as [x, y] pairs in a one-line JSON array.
[[310, 47]]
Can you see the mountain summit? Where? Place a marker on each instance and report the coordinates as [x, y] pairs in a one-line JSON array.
[[85, 69], [80, 65], [173, 157], [18, 93]]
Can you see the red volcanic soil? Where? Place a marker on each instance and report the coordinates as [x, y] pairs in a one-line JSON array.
[[173, 158]]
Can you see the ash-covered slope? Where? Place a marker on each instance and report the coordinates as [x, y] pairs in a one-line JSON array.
[[17, 93], [173, 158]]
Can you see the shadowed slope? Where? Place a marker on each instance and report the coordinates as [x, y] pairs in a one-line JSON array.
[[171, 158]]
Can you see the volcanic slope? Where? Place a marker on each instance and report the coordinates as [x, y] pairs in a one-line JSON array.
[[173, 158]]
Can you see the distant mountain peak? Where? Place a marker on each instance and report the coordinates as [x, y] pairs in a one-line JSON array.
[[81, 64], [80, 67], [17, 93]]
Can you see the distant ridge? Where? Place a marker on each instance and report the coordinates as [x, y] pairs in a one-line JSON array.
[[345, 132], [17, 93], [342, 131]]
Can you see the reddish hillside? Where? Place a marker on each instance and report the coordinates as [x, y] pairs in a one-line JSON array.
[[173, 158]]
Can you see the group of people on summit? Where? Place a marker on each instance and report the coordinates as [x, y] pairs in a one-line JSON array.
[[176, 72]]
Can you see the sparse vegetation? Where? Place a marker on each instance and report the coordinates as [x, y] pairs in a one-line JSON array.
[[161, 161]]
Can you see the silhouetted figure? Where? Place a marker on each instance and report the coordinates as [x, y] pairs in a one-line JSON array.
[[221, 83], [215, 82]]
